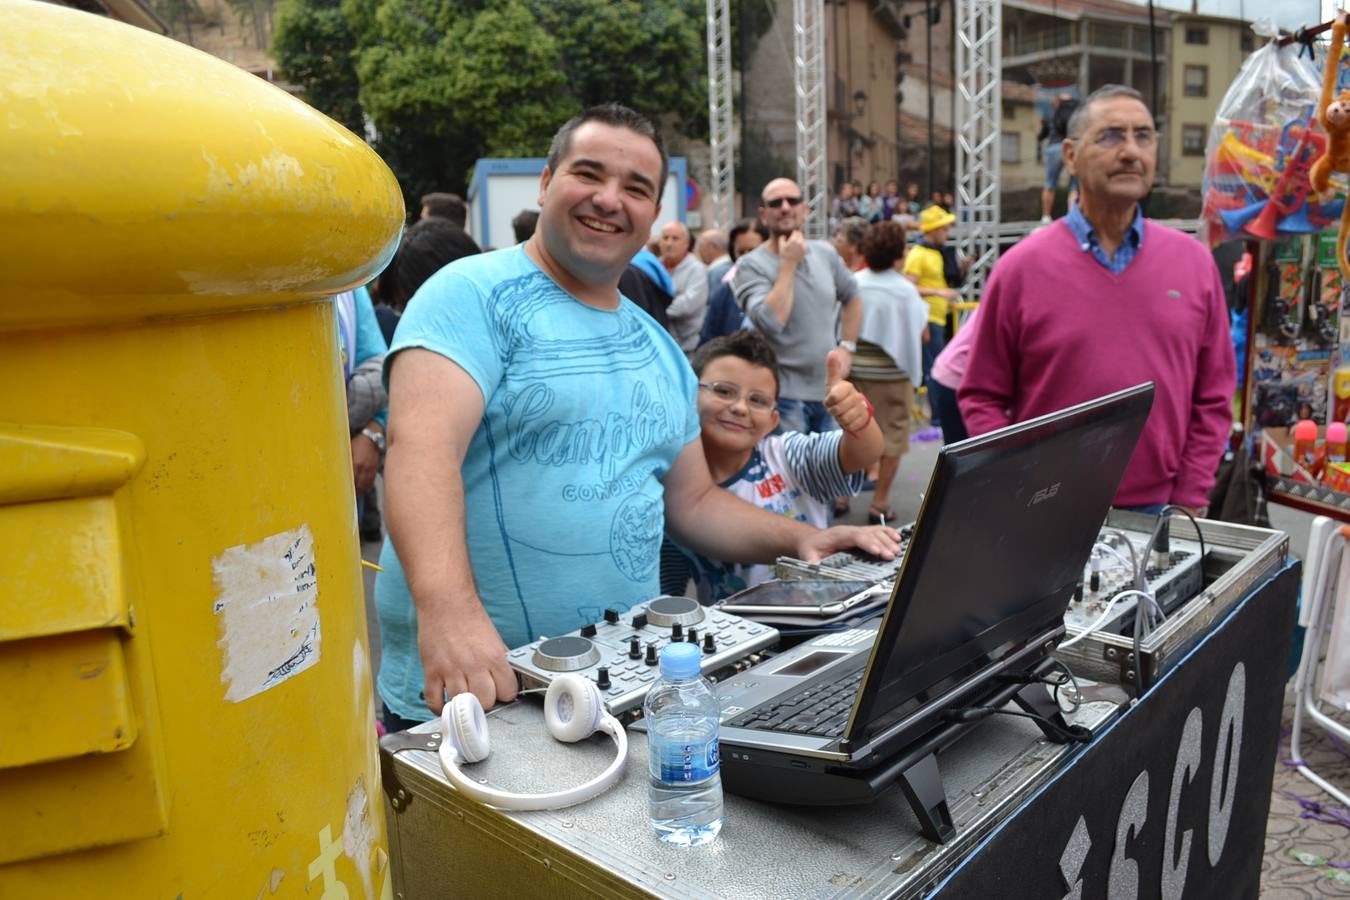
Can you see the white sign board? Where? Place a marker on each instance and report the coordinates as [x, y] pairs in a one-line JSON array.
[[501, 188]]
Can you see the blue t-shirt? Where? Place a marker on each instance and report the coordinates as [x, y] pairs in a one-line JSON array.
[[585, 411]]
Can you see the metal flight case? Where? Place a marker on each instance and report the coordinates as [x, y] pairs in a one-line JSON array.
[[446, 845], [1236, 558]]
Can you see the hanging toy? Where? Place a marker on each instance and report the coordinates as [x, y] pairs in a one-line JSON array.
[[1335, 118], [1299, 147]]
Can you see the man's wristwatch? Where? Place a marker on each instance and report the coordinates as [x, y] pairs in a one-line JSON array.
[[376, 437], [850, 346]]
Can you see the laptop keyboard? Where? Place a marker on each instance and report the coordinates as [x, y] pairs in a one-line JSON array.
[[820, 710]]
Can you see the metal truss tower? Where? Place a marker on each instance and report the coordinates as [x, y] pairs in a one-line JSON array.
[[723, 184], [979, 111], [808, 46]]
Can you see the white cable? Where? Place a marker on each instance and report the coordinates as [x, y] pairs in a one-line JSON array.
[[1153, 603], [1120, 557], [1101, 620], [1124, 539]]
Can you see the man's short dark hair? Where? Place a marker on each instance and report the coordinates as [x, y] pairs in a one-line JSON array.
[[741, 228], [446, 206], [883, 244], [616, 115], [747, 345], [1078, 121], [523, 224], [427, 247]]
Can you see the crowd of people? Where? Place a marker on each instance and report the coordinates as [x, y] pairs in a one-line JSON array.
[[604, 412], [878, 204]]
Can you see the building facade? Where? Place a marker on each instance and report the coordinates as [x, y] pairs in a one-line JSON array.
[[1207, 52], [1080, 45]]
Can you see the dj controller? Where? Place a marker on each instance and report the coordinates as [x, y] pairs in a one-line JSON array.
[[620, 652]]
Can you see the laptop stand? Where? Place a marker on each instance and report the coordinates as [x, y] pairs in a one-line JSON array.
[[915, 768], [922, 786]]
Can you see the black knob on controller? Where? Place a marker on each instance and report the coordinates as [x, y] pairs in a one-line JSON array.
[[602, 678], [677, 632], [693, 635], [612, 616], [709, 645], [651, 654], [588, 630], [635, 648]]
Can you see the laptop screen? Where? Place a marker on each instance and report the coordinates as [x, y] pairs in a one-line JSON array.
[[1001, 539]]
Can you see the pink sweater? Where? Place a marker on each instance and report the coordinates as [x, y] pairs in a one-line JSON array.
[[949, 367], [1056, 328]]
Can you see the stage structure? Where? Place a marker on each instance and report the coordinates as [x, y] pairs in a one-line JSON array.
[[979, 82], [979, 102], [808, 46], [721, 137]]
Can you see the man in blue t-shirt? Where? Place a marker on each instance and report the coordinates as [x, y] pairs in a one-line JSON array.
[[542, 433]]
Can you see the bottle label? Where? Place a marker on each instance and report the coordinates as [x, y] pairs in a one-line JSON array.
[[673, 762]]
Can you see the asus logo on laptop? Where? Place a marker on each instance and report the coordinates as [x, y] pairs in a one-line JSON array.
[[1044, 494]]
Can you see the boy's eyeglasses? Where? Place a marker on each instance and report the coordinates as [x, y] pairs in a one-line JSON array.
[[777, 202], [729, 393]]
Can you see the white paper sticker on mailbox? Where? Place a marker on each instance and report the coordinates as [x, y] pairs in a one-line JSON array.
[[266, 598]]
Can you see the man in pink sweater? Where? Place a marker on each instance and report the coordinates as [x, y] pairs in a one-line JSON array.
[[1102, 300]]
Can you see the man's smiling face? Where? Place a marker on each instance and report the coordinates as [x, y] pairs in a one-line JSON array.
[[597, 209]]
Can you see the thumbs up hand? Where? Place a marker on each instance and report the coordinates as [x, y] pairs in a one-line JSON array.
[[837, 366], [842, 400]]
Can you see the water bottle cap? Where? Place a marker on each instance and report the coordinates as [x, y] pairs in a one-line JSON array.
[[680, 660], [1336, 433], [1305, 430]]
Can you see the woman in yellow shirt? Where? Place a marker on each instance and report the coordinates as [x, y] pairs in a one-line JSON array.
[[924, 266]]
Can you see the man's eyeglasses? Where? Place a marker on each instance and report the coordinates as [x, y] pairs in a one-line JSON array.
[[1116, 136], [729, 393], [777, 202]]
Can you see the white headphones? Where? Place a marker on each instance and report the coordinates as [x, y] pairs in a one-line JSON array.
[[573, 711]]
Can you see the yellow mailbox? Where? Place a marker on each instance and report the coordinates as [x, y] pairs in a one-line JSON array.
[[185, 696]]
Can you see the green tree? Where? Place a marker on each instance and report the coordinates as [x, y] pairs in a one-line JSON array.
[[446, 82], [316, 49]]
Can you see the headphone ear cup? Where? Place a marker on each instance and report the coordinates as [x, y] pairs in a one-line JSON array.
[[466, 727], [572, 708]]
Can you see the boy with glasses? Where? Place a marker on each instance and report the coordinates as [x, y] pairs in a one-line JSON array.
[[792, 474]]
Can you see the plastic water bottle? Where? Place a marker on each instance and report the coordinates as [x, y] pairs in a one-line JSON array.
[[685, 793]]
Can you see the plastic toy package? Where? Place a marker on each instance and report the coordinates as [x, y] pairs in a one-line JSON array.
[[1300, 372], [1261, 148], [1262, 158]]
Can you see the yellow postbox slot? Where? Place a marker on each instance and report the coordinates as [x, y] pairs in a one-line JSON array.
[[83, 673], [65, 628], [63, 571]]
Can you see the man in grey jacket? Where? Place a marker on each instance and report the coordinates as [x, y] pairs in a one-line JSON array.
[[799, 295], [690, 303]]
